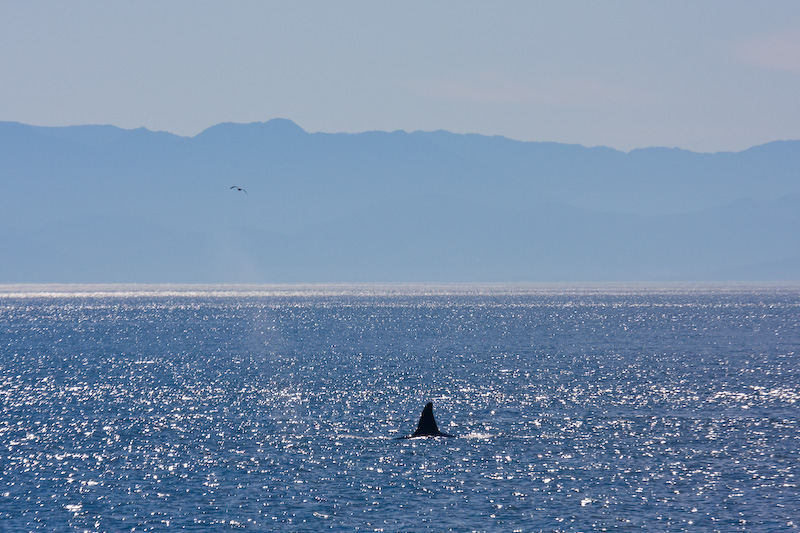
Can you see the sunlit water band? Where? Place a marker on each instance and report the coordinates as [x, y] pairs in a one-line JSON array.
[[668, 408]]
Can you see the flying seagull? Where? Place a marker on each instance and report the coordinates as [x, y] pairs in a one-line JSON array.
[[239, 189]]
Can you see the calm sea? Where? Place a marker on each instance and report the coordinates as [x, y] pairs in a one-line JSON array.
[[665, 408]]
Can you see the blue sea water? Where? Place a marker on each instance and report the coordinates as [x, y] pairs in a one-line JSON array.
[[576, 408]]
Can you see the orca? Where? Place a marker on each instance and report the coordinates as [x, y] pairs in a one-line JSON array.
[[427, 425]]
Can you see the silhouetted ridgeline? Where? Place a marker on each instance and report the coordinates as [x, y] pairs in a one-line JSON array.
[[102, 204]]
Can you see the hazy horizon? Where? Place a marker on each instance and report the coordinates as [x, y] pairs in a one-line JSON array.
[[709, 77], [467, 133], [455, 141], [99, 204], [439, 130]]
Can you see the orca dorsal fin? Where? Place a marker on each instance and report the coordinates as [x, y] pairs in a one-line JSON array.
[[427, 424]]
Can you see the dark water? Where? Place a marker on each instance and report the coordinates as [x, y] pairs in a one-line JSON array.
[[576, 409]]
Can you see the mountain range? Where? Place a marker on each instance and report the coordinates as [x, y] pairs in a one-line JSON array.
[[107, 205]]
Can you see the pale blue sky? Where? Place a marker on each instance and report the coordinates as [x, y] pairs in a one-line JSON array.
[[702, 75]]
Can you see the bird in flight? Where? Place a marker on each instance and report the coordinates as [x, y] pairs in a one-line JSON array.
[[239, 189]]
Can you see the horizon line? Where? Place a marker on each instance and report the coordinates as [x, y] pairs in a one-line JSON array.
[[407, 132]]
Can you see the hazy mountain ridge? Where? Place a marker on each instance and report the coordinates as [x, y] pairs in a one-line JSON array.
[[99, 203]]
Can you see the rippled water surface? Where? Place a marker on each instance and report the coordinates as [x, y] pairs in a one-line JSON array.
[[276, 408]]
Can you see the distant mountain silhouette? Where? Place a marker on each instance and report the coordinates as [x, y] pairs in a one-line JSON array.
[[103, 204]]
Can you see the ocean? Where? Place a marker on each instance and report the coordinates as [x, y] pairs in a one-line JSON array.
[[277, 408]]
